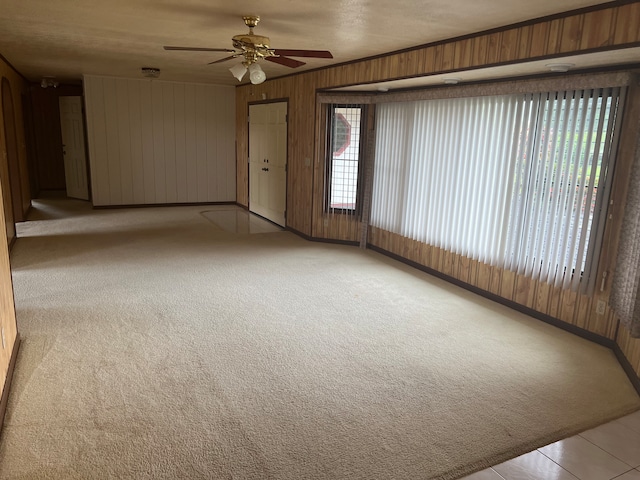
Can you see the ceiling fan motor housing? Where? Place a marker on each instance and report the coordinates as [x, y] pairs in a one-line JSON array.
[[254, 47], [249, 41]]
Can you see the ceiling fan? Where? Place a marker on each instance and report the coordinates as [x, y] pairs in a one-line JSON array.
[[252, 48]]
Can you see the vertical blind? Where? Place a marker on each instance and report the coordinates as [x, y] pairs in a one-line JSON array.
[[517, 181]]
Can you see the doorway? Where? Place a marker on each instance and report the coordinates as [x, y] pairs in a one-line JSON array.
[[268, 161], [73, 147]]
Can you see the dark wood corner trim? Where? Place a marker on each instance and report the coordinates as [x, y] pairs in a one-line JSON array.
[[10, 65], [586, 334], [29, 210], [7, 383], [322, 240], [299, 233], [268, 100], [244, 207], [627, 367]]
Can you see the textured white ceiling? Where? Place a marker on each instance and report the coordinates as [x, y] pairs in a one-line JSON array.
[[68, 38]]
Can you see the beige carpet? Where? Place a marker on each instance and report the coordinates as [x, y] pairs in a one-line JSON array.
[[158, 345]]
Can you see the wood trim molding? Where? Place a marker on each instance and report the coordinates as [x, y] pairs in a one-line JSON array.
[[155, 205], [322, 240], [594, 337], [546, 83], [10, 65], [581, 332], [634, 378], [7, 383]]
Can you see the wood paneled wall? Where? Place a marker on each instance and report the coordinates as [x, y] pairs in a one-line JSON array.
[[608, 27], [20, 176], [8, 326], [153, 142], [7, 307]]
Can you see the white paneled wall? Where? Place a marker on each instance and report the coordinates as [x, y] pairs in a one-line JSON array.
[[154, 142]]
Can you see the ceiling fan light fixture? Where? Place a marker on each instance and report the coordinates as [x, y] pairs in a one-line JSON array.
[[238, 71], [256, 75]]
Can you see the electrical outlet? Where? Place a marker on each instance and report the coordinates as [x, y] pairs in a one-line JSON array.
[[600, 307], [307, 162], [326, 222]]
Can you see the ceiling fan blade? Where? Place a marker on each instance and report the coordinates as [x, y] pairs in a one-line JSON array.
[[303, 53], [224, 59], [198, 49], [287, 62]]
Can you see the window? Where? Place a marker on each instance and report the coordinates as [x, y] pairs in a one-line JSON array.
[[517, 181], [344, 157]]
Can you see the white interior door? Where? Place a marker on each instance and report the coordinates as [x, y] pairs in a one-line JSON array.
[[75, 162], [268, 161]]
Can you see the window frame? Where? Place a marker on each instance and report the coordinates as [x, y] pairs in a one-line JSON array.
[[497, 251], [328, 170]]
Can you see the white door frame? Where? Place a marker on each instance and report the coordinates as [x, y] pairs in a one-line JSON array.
[[75, 165], [258, 168]]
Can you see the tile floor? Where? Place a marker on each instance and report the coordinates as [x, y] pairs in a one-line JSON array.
[[606, 452], [239, 221]]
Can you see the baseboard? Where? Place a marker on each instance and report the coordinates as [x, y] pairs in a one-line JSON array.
[[594, 337], [7, 383], [156, 205], [627, 367], [322, 240], [581, 332], [299, 233]]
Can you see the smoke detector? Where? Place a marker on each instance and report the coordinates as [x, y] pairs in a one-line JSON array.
[[150, 72], [49, 82]]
